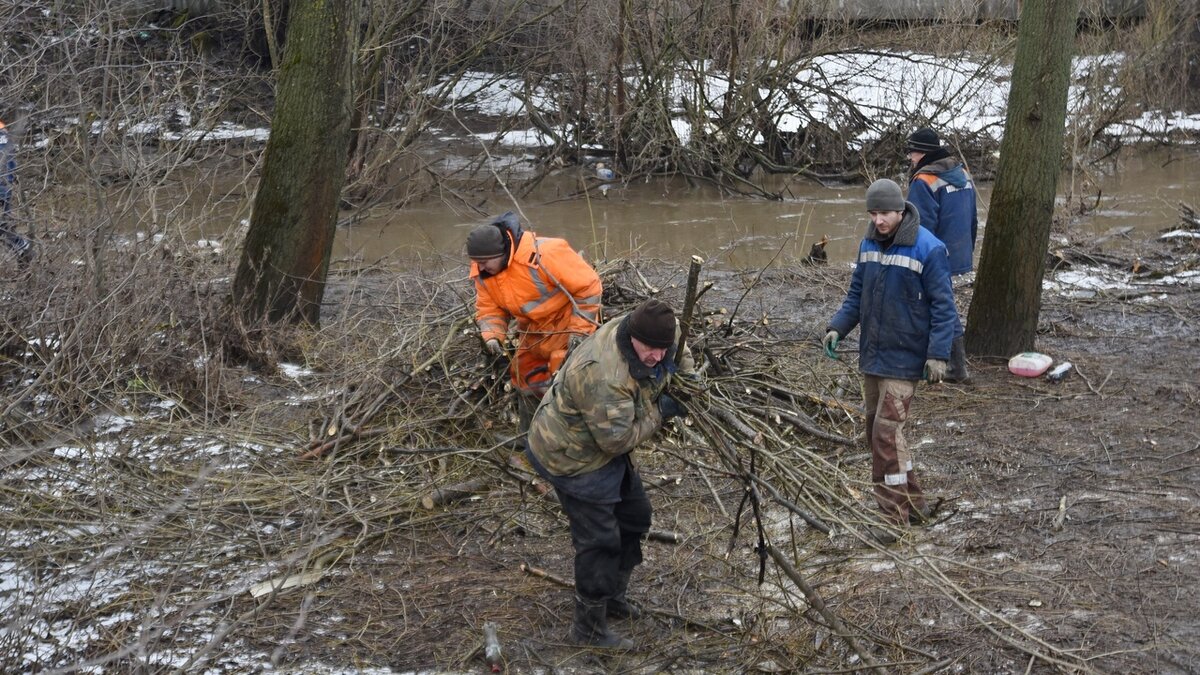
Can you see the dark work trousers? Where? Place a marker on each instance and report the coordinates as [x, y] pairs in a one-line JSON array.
[[607, 535], [886, 402]]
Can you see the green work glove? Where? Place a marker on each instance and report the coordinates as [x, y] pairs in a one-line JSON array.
[[830, 342], [935, 370]]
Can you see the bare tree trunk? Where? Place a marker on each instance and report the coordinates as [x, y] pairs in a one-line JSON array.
[[281, 276], [1008, 290], [619, 77], [1191, 48]]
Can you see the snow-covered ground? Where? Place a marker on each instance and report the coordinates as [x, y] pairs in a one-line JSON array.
[[964, 95]]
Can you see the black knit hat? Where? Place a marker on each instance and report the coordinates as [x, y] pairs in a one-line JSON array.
[[485, 241], [923, 140], [653, 323]]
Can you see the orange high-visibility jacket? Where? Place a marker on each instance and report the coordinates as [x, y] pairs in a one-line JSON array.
[[544, 275]]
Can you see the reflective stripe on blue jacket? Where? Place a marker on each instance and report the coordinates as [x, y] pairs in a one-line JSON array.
[[903, 300]]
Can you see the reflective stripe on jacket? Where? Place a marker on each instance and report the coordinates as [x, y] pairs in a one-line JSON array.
[[903, 300], [601, 404], [945, 196], [546, 286]]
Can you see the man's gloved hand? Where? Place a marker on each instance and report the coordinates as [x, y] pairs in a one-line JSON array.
[[830, 343], [935, 370], [668, 407], [494, 347]]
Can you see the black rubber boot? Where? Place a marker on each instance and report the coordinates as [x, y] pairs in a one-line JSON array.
[[619, 606], [957, 372], [591, 626], [882, 535], [920, 516], [526, 405]]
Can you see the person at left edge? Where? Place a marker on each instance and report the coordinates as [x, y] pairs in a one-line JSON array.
[[549, 289], [20, 247]]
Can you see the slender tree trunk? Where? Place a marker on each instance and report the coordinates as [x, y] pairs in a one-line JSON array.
[[1008, 289], [281, 276], [619, 78], [1191, 49]]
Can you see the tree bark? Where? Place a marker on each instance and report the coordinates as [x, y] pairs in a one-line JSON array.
[[281, 276], [1008, 289], [1191, 50]]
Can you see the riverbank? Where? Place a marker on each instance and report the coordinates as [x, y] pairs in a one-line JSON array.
[[152, 487]]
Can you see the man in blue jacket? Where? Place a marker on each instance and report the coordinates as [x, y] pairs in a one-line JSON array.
[[902, 298], [944, 194], [18, 245]]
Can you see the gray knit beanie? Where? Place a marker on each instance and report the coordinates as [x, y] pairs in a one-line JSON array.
[[885, 195], [485, 241]]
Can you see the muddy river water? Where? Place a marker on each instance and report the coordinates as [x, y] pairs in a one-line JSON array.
[[669, 219]]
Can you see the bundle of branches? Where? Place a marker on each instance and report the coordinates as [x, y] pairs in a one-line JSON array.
[[751, 418]]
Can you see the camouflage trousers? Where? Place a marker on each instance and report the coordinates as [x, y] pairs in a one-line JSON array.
[[886, 402]]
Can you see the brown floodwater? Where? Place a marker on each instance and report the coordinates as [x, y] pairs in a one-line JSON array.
[[666, 218], [661, 218]]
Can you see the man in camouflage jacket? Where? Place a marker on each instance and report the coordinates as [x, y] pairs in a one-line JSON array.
[[609, 396]]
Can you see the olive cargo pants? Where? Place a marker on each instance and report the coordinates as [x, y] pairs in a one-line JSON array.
[[886, 402]]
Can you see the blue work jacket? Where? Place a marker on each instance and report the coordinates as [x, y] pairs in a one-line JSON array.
[[903, 299], [944, 195]]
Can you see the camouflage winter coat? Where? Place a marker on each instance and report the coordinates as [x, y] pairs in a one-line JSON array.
[[601, 404]]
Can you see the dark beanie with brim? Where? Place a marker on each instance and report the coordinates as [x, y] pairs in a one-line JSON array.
[[923, 140], [653, 323], [485, 241]]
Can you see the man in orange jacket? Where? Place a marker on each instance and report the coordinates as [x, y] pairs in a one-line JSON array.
[[549, 289]]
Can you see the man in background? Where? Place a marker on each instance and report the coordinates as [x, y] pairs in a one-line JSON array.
[[19, 246], [944, 195]]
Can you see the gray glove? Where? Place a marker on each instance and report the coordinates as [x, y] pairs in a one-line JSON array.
[[574, 341], [935, 370], [830, 343], [494, 347]]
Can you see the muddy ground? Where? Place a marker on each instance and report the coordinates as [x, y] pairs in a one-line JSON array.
[[1067, 539], [1068, 536]]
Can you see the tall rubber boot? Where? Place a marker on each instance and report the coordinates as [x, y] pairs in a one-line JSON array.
[[619, 606], [957, 372], [591, 626], [527, 404]]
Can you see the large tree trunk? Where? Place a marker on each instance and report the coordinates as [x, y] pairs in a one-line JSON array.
[[1008, 289], [281, 276]]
